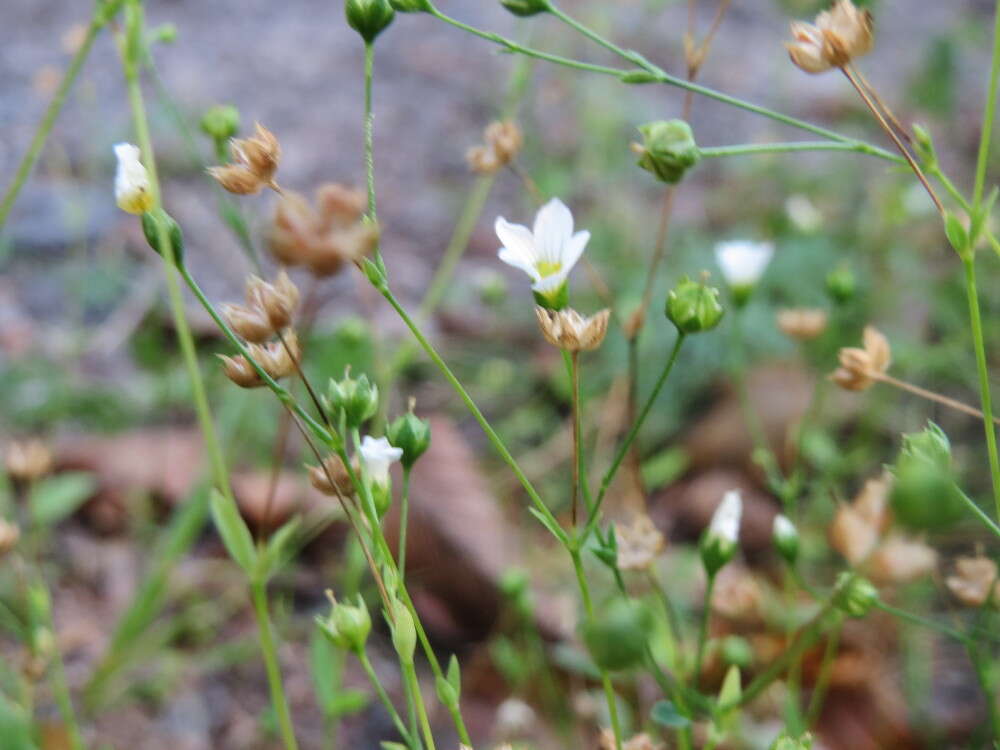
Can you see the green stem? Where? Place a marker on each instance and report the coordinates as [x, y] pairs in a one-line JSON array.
[[624, 447], [706, 613], [370, 130], [823, 678], [410, 675], [978, 513], [484, 424], [989, 112], [609, 691], [985, 670], [579, 473], [986, 398], [60, 688], [926, 622], [103, 13], [269, 652], [747, 149], [397, 720], [404, 515]]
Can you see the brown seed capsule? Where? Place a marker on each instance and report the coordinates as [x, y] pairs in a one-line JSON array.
[[255, 161], [802, 323], [974, 579], [249, 324], [324, 238], [28, 460], [240, 371], [858, 526], [503, 142], [333, 469], [900, 559], [571, 331], [860, 368], [10, 534], [276, 302], [838, 36], [639, 544], [638, 742], [277, 358]]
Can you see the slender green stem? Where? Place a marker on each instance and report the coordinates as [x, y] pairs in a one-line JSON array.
[[926, 622], [706, 614], [609, 690], [370, 130], [258, 592], [60, 688], [633, 433], [749, 149], [978, 513], [823, 678], [404, 517], [103, 13], [484, 424], [986, 398], [989, 113], [410, 675], [578, 469], [985, 670], [383, 696]]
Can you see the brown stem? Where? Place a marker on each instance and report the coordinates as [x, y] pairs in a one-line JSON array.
[[302, 376], [930, 395], [529, 183], [884, 107], [895, 138]]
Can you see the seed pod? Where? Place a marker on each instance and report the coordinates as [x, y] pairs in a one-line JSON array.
[[369, 17]]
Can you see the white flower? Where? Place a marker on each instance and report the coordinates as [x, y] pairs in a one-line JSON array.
[[783, 527], [803, 213], [742, 263], [376, 457], [725, 525], [547, 253], [133, 192]]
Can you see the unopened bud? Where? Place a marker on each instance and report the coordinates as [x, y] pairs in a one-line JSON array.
[[369, 17], [404, 634], [356, 399], [668, 149], [221, 122], [526, 7], [854, 596], [412, 6], [721, 538], [786, 538], [924, 494], [412, 435], [694, 307], [347, 626], [616, 636], [157, 224], [841, 285], [924, 145]]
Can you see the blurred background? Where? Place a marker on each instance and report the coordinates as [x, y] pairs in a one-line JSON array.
[[88, 359]]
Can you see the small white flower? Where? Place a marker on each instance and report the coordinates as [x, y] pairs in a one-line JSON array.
[[133, 192], [547, 253], [803, 213], [725, 525], [743, 263], [783, 527], [376, 456]]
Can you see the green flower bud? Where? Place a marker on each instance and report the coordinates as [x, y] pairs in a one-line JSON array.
[[156, 221], [556, 300], [526, 7], [412, 435], [404, 634], [221, 122], [368, 17], [841, 285], [786, 538], [924, 145], [668, 149], [165, 33], [853, 595], [357, 399], [719, 542], [514, 586], [693, 306], [736, 650], [382, 497], [412, 6], [784, 741], [924, 493], [617, 635], [347, 626]]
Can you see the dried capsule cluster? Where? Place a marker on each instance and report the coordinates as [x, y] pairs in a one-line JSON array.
[[502, 142], [268, 313], [838, 36], [860, 368], [255, 162]]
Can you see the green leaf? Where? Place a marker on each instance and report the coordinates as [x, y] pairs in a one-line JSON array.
[[281, 547], [15, 726], [454, 675], [550, 525], [325, 666], [57, 497], [665, 714], [348, 702], [393, 745], [234, 532], [956, 233]]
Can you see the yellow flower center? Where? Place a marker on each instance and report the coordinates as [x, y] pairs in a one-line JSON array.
[[547, 268]]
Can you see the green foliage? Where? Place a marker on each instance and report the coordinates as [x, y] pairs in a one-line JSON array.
[[56, 498]]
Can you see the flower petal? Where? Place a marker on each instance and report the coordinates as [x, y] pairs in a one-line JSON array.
[[517, 240], [553, 228], [574, 249]]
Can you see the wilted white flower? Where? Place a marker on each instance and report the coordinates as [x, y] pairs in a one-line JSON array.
[[547, 253], [803, 213], [514, 718], [725, 524], [133, 191], [742, 262], [376, 457]]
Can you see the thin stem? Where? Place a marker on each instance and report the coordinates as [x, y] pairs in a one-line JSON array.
[[305, 381], [746, 149], [984, 376], [985, 670], [623, 448], [404, 515], [577, 443], [978, 513], [609, 691], [895, 138], [269, 652], [484, 424], [930, 395], [410, 675], [706, 613], [989, 112], [102, 15], [823, 678], [370, 130], [383, 696], [60, 688], [923, 621]]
